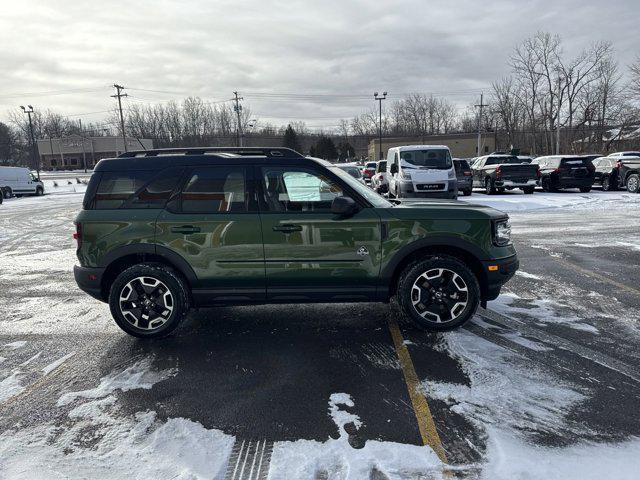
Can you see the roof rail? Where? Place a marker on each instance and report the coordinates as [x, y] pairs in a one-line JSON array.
[[242, 151]]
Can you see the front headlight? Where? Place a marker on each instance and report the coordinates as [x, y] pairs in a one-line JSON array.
[[405, 175], [502, 232]]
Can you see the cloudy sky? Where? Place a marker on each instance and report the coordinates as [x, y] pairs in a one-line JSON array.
[[330, 55]]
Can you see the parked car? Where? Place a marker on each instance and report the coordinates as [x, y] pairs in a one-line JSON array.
[[606, 173], [566, 171], [379, 181], [625, 154], [464, 176], [369, 170], [19, 181], [421, 171], [352, 170], [163, 230], [497, 173], [629, 173]]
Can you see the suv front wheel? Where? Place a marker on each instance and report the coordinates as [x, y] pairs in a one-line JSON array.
[[438, 293], [148, 300]]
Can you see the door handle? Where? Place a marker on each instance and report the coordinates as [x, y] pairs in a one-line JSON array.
[[185, 229], [287, 228]]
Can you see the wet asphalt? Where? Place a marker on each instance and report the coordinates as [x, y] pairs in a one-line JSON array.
[[266, 372]]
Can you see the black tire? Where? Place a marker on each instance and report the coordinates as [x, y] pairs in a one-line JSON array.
[[169, 279], [467, 192], [7, 192], [39, 191], [546, 185], [585, 189], [528, 190], [633, 183], [437, 291], [489, 188], [606, 184]]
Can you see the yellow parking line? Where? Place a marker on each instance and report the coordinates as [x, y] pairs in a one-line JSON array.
[[591, 273], [421, 408]]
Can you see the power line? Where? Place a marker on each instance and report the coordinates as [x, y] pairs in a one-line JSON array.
[[52, 92]]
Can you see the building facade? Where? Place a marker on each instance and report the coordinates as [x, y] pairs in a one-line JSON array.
[[462, 145], [77, 152]]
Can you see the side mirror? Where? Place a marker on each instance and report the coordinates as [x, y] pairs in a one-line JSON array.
[[394, 168], [343, 206]]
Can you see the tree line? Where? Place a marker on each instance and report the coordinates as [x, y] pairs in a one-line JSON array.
[[585, 95]]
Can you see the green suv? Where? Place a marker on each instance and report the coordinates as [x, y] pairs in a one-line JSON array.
[[164, 230]]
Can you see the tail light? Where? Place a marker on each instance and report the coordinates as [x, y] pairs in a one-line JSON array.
[[467, 174], [77, 235], [618, 165], [538, 174], [498, 172]]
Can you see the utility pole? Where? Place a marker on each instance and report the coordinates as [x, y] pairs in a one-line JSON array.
[[238, 108], [558, 118], [84, 155], [34, 159], [119, 96], [380, 99], [480, 106]]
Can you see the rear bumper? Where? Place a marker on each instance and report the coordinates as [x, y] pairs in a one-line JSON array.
[[507, 268], [515, 184], [89, 280]]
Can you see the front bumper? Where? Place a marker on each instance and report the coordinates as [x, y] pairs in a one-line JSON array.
[[497, 277], [90, 280], [450, 190]]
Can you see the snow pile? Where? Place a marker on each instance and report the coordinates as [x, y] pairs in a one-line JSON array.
[[336, 459], [138, 375], [95, 442]]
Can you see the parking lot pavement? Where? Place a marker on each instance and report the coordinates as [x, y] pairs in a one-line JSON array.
[[544, 383]]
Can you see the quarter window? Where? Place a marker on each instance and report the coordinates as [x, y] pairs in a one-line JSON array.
[[215, 190], [296, 190], [116, 188]]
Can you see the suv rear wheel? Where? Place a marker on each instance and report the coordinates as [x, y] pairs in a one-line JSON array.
[[148, 300], [633, 183], [489, 188], [438, 293]]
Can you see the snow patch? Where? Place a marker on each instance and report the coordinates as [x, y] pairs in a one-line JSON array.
[[138, 375], [52, 366], [15, 345], [336, 459], [11, 386], [531, 276]]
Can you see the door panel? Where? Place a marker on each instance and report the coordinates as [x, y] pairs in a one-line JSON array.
[[215, 227], [310, 253]]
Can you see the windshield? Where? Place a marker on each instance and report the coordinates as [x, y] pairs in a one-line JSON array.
[[373, 198], [432, 158], [353, 171], [371, 165], [382, 166]]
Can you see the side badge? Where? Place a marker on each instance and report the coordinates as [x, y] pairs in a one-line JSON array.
[[362, 251]]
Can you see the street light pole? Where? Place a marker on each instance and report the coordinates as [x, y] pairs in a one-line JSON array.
[[35, 160], [380, 99]]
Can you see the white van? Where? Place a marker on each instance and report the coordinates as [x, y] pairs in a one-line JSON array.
[[421, 171], [19, 181]]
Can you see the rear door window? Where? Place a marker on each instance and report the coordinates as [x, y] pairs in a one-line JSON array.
[[213, 190]]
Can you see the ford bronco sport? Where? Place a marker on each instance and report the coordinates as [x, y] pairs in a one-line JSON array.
[[164, 230]]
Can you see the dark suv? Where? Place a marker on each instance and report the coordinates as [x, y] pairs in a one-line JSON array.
[[163, 230], [566, 171]]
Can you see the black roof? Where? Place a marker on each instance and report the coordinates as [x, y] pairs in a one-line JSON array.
[[168, 157]]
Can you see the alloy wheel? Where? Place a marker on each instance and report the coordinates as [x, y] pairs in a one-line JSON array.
[[146, 303], [439, 295]]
